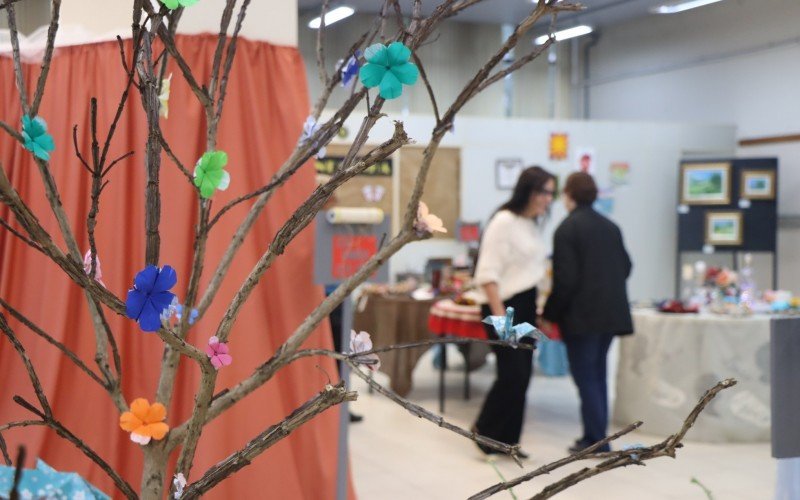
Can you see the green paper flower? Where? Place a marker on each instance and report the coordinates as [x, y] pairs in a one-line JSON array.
[[174, 4], [37, 140], [388, 67], [209, 173]]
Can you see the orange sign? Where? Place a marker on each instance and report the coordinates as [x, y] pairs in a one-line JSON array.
[[350, 252], [559, 143]]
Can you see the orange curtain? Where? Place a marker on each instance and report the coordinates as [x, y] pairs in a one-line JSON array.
[[266, 106]]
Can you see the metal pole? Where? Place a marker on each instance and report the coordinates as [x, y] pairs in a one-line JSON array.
[[344, 408]]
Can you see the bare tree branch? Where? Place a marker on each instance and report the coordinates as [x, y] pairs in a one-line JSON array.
[[37, 385], [55, 11], [331, 396]]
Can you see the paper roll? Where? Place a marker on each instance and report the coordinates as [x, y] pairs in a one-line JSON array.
[[355, 215]]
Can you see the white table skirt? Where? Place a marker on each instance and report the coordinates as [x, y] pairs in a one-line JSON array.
[[671, 360]]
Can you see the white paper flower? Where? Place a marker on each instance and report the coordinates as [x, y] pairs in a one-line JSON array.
[[361, 342], [163, 97], [179, 481]]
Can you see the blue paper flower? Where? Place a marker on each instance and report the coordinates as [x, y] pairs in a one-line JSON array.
[[150, 296], [37, 140], [311, 127], [350, 69]]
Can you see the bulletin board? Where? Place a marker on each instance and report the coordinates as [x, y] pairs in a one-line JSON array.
[[442, 191], [352, 193], [442, 187]]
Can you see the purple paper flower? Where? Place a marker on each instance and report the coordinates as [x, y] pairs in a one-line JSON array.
[[310, 127], [361, 342], [218, 352], [150, 296], [350, 69]]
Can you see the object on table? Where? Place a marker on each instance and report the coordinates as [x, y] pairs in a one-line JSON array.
[[47, 483], [677, 307]]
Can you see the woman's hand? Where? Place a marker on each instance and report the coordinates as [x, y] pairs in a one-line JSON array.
[[492, 292]]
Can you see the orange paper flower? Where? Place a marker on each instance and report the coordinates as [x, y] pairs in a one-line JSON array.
[[145, 421]]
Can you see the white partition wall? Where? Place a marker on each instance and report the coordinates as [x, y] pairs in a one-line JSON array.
[[645, 208]]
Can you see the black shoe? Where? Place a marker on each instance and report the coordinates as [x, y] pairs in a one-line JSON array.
[[355, 418], [581, 445]]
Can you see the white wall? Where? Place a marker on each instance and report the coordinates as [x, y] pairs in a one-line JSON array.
[[731, 62], [274, 21], [645, 209]]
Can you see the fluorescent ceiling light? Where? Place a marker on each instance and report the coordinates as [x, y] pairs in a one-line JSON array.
[[566, 34], [674, 8], [331, 17]]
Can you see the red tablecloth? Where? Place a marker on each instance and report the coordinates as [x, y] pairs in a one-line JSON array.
[[448, 318]]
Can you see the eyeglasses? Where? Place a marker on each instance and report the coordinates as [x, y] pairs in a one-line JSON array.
[[547, 191]]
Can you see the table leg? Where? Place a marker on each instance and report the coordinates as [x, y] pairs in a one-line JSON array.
[[442, 368], [467, 348]]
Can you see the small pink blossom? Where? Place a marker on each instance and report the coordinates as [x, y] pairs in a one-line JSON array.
[[427, 222], [87, 267], [218, 352], [361, 342]]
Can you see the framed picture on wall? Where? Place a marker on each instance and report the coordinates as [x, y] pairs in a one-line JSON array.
[[724, 228], [706, 183], [758, 184], [506, 172]]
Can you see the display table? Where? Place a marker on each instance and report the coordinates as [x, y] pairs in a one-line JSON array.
[[671, 360], [448, 319], [396, 319]]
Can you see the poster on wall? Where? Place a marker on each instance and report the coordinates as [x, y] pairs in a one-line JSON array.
[[329, 164], [605, 201], [506, 172], [585, 160], [620, 173], [350, 252], [559, 146]]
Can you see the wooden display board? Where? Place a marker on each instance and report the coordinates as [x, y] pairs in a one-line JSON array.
[[442, 189]]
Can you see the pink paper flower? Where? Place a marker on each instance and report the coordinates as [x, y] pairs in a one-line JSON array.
[[427, 222], [218, 352], [87, 267], [361, 342]]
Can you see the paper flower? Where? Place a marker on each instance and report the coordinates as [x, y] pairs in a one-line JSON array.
[[506, 330], [310, 127], [218, 352], [179, 481], [637, 446], [388, 68], [350, 69], [209, 173], [174, 4], [144, 421], [37, 140], [163, 97], [175, 310], [87, 267], [150, 296], [361, 342], [427, 222]]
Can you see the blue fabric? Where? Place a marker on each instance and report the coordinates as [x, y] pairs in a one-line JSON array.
[[44, 482], [553, 358], [587, 360]]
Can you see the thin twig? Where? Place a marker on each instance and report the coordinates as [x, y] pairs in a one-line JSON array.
[[427, 83], [12, 27], [34, 378], [55, 11], [49, 338], [323, 72], [21, 236]]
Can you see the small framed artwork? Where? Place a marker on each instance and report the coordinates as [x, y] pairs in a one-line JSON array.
[[705, 183], [506, 172], [758, 184], [724, 228]]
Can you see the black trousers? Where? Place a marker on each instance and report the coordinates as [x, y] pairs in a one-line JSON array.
[[504, 408], [587, 356]]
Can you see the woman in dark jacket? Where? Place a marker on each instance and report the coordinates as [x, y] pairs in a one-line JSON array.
[[589, 300]]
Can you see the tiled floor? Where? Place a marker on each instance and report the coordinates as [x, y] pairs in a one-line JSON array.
[[397, 456]]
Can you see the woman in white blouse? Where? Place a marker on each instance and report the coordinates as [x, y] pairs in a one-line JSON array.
[[510, 264]]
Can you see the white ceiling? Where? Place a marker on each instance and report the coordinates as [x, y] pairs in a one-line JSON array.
[[598, 13]]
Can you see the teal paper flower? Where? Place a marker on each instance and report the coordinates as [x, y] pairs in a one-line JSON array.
[[174, 4], [37, 140], [388, 67], [209, 173]]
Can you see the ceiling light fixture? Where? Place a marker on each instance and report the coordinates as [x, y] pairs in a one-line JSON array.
[[674, 8], [566, 34], [331, 17]]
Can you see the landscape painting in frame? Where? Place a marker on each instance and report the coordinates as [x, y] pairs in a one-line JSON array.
[[724, 228], [705, 183], [758, 184]]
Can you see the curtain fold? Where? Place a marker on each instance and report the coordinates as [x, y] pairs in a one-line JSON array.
[[266, 105]]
